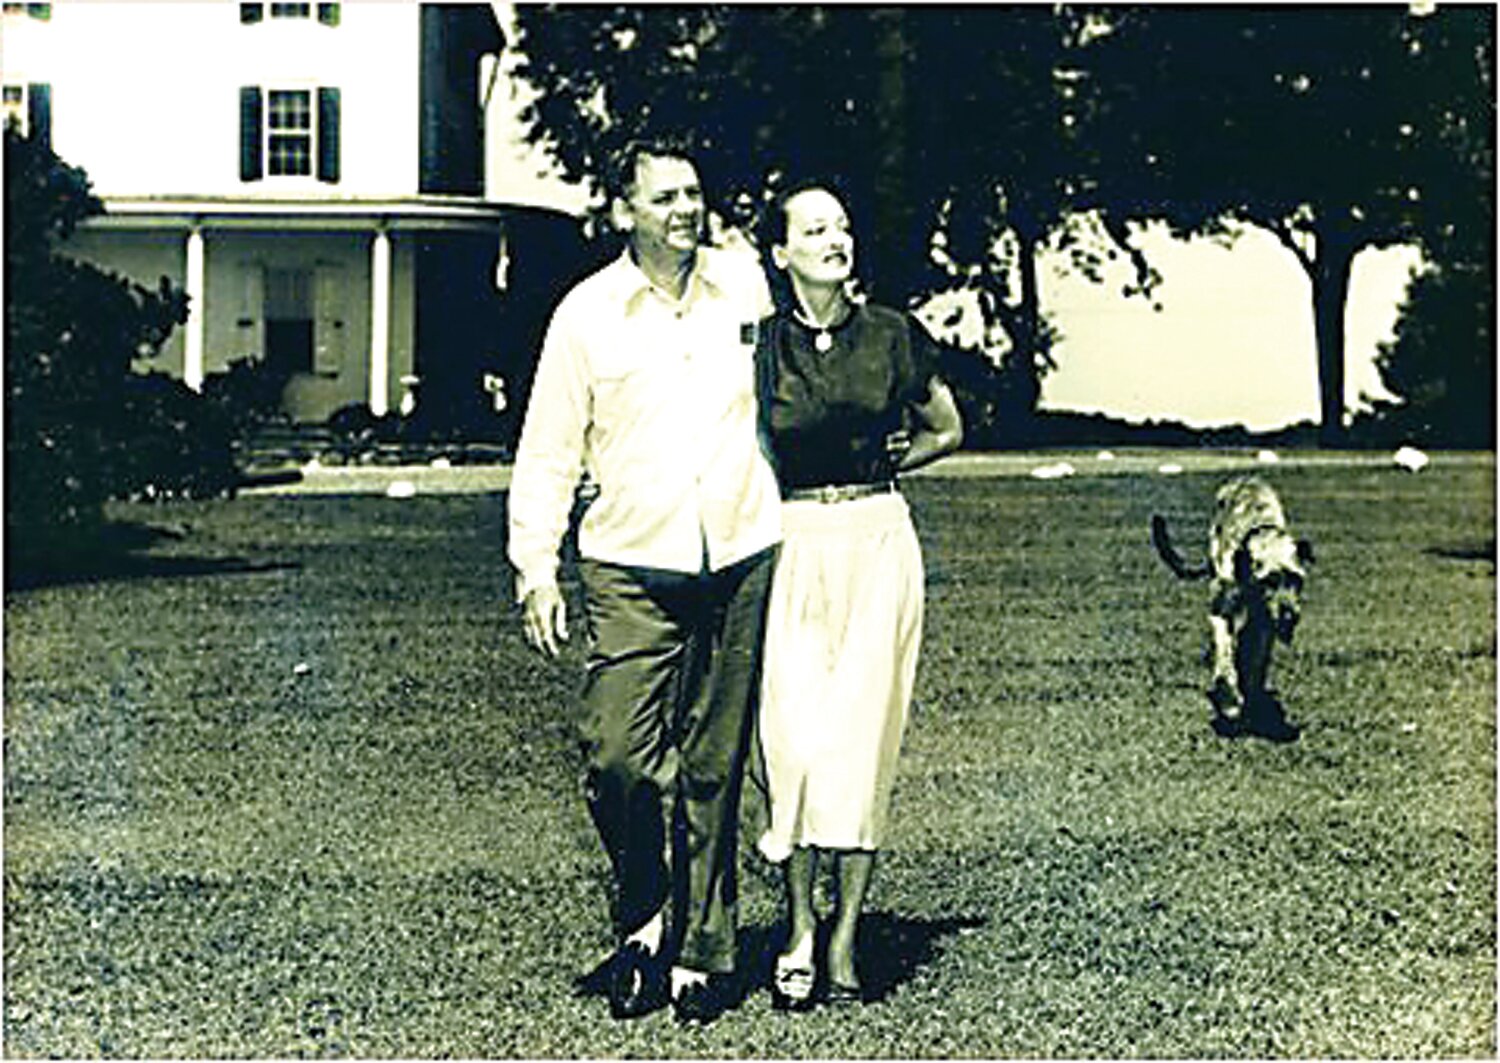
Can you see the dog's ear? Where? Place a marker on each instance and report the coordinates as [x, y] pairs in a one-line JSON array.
[[1305, 551], [1242, 566]]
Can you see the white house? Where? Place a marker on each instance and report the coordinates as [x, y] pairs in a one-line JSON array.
[[312, 174]]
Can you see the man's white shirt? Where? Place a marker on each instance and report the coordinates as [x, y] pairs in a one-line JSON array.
[[655, 399]]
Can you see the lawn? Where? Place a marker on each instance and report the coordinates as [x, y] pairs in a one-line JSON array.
[[293, 786]]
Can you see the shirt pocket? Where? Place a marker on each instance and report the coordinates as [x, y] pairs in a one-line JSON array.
[[609, 372], [615, 390]]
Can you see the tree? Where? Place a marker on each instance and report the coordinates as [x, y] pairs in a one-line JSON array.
[[1334, 128], [974, 138], [1015, 177], [1442, 360], [71, 334], [984, 163]]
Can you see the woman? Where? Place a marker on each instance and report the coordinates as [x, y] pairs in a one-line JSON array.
[[848, 397]]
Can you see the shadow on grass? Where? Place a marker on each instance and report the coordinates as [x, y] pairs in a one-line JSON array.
[[1470, 551], [892, 949], [895, 947], [1265, 717], [119, 554]]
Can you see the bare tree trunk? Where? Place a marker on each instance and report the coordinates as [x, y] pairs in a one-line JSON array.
[[895, 214], [1026, 342], [1330, 291]]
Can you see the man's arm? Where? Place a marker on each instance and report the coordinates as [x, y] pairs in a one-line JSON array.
[[546, 472]]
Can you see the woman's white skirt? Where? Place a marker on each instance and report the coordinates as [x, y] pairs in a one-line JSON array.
[[843, 629]]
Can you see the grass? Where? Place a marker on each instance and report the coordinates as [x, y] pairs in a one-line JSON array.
[[293, 786]]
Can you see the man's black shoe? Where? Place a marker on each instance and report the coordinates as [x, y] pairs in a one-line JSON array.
[[700, 1003], [636, 982]]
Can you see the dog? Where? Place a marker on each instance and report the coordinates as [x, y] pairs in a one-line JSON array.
[[1258, 571]]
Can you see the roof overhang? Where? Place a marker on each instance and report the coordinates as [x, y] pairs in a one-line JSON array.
[[175, 213]]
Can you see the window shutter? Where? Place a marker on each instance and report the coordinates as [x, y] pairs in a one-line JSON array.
[[328, 135], [251, 166], [328, 14], [328, 324], [251, 13], [39, 113]]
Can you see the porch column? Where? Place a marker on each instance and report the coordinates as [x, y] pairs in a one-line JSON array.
[[192, 358], [380, 323]]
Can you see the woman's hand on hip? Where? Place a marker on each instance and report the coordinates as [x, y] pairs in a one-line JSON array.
[[896, 446]]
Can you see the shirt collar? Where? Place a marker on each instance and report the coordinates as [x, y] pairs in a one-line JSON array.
[[630, 282]]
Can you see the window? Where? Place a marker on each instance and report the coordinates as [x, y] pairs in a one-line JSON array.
[[28, 110], [289, 132], [13, 107], [251, 13]]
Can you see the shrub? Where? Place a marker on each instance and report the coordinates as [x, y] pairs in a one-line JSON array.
[[72, 332], [247, 394], [356, 430], [170, 443]]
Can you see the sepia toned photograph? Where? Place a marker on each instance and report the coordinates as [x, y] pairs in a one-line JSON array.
[[767, 531]]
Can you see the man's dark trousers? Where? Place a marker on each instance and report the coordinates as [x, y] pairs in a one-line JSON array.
[[673, 674]]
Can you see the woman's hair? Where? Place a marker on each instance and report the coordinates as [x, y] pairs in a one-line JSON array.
[[623, 163], [774, 223]]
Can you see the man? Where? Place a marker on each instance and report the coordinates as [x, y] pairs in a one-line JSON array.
[[646, 382]]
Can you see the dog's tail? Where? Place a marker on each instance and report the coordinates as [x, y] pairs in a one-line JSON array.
[[1168, 553]]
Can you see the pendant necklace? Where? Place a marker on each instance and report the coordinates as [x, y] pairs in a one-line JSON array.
[[822, 335]]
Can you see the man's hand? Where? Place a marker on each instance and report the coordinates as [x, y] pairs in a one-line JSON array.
[[545, 619]]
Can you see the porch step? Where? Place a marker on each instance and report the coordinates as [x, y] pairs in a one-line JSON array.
[[285, 444], [281, 446]]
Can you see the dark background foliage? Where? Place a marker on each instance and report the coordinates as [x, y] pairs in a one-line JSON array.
[[972, 138], [970, 141], [82, 424], [71, 333]]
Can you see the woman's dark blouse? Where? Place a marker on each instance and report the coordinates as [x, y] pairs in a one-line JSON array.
[[825, 415]]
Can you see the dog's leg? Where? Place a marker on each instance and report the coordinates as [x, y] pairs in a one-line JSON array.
[[1224, 610], [1253, 657], [1224, 691]]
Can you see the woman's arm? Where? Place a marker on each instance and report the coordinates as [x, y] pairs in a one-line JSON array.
[[938, 430]]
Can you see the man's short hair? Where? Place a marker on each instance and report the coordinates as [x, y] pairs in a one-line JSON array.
[[624, 162]]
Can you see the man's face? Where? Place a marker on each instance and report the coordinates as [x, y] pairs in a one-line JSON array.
[[664, 209]]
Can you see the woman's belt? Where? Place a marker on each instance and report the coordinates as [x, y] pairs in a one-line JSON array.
[[828, 493]]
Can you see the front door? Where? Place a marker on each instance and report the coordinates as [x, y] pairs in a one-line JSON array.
[[289, 321]]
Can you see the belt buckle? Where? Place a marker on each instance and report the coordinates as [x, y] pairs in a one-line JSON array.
[[828, 494]]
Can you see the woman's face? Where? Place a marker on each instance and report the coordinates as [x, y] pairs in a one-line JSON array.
[[819, 247]]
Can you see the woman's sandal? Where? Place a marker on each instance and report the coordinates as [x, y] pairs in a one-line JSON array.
[[840, 994], [793, 981]]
